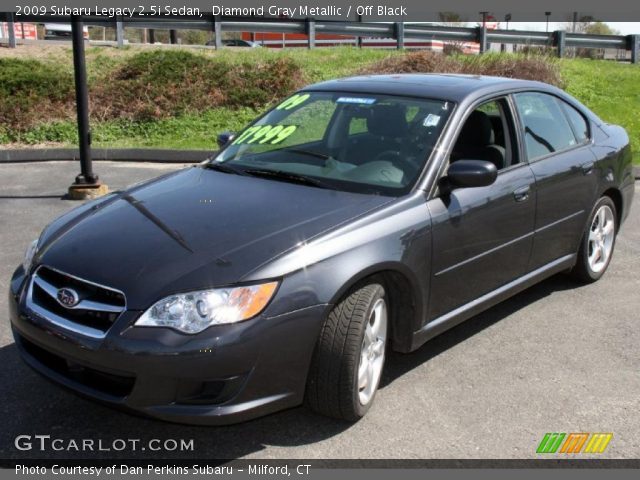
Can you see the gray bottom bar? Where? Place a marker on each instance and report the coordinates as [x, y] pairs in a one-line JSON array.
[[332, 474]]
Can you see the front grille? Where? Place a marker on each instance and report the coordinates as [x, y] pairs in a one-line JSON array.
[[105, 382], [96, 309]]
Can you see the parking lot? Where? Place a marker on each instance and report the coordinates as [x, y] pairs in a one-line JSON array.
[[558, 357]]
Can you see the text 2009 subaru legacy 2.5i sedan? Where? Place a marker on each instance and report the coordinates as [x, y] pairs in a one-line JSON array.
[[357, 215]]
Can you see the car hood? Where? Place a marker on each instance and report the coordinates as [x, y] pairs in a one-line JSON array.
[[192, 229]]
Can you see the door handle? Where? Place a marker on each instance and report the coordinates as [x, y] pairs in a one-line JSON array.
[[522, 193], [587, 168]]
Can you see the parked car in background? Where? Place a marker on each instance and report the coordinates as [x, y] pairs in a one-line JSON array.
[[356, 216], [235, 43], [61, 31]]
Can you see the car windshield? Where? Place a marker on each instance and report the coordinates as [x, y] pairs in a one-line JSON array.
[[344, 141]]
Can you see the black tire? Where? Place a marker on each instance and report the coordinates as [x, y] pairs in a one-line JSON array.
[[583, 272], [332, 384]]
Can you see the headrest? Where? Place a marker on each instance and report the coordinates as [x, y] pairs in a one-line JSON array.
[[388, 121], [477, 130]]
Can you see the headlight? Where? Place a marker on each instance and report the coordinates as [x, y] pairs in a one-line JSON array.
[[193, 312], [28, 255]]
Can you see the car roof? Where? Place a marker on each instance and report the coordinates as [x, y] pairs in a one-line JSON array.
[[445, 86]]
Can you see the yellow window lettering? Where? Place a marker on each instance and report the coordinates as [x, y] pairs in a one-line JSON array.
[[284, 134], [260, 133], [265, 134], [293, 101], [246, 133], [272, 133]]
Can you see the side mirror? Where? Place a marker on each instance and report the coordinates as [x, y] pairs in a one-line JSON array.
[[471, 173], [224, 138]]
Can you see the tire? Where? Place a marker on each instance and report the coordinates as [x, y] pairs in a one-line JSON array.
[[598, 242], [352, 339]]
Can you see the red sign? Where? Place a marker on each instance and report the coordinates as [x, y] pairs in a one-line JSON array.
[[26, 31], [491, 23]]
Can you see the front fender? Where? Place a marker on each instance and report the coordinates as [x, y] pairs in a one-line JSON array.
[[395, 239]]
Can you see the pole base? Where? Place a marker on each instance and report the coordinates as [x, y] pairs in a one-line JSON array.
[[79, 191]]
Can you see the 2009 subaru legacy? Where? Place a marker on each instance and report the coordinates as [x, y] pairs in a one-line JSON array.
[[357, 215]]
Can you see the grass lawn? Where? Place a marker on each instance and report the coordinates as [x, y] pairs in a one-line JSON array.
[[611, 90]]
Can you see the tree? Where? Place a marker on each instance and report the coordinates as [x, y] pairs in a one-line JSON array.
[[594, 28], [581, 24], [600, 28], [451, 19]]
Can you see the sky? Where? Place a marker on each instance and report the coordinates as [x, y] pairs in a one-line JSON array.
[[625, 28]]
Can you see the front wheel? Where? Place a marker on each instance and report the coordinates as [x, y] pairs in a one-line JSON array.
[[596, 247], [349, 356]]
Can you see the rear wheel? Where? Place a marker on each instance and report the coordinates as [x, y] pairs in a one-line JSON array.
[[349, 356], [596, 248]]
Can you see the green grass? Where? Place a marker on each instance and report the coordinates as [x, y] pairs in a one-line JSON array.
[[182, 132], [611, 90]]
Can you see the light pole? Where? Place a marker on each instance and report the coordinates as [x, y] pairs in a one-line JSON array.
[[87, 183], [547, 14], [483, 33], [507, 17], [484, 19]]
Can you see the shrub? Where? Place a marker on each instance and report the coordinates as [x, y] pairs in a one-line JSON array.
[[414, 62], [4, 135], [526, 67], [32, 92], [57, 131], [165, 83]]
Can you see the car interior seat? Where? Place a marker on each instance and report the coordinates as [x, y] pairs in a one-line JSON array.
[[477, 141], [387, 128]]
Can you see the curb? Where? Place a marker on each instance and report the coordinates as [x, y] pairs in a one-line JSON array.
[[106, 154], [151, 155]]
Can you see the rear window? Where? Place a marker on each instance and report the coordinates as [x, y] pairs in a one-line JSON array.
[[546, 127], [578, 122]]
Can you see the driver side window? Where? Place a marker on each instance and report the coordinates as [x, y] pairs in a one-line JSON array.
[[488, 134]]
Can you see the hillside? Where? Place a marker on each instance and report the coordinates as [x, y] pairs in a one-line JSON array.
[[180, 98]]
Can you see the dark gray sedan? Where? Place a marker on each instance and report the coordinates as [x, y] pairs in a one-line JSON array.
[[357, 215]]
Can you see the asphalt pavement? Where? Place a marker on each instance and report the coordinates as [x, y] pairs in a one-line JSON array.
[[558, 357]]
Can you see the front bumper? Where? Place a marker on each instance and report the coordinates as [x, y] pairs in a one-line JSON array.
[[226, 374]]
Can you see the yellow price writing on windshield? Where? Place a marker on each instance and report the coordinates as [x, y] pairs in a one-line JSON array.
[[293, 101], [270, 134]]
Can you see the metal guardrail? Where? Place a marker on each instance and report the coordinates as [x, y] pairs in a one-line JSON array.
[[398, 31]]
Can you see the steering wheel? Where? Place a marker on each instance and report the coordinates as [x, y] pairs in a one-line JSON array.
[[399, 160]]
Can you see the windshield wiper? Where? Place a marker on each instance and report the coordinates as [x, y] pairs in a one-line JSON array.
[[287, 177], [224, 168], [307, 152]]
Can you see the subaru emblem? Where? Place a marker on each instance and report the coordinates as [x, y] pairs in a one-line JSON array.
[[67, 297]]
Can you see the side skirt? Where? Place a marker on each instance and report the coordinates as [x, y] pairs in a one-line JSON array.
[[449, 320]]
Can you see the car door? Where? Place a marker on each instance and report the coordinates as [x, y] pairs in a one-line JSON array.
[[482, 236], [557, 146]]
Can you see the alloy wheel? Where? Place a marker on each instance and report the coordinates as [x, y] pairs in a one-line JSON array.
[[601, 236], [372, 352]]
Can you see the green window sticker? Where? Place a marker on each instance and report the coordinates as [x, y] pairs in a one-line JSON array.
[[294, 101], [265, 134]]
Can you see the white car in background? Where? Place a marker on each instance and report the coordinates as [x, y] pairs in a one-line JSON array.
[[61, 31]]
